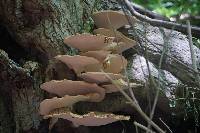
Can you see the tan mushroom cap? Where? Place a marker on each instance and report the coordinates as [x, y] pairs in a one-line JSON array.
[[99, 77], [123, 44], [87, 42], [73, 88], [114, 63], [111, 19], [80, 63], [90, 119], [117, 48], [110, 88], [119, 37], [99, 55], [48, 105]]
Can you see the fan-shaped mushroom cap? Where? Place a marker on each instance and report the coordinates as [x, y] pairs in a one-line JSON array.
[[110, 88], [80, 63], [99, 77], [111, 19], [123, 44], [69, 87], [114, 63], [87, 42], [119, 37], [90, 119], [48, 105], [117, 48], [99, 55]]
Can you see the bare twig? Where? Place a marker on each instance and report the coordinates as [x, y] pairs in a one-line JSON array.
[[165, 49], [136, 128], [143, 127], [167, 24], [166, 125], [193, 56], [149, 13]]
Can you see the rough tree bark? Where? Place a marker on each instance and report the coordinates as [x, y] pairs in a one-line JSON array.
[[39, 27]]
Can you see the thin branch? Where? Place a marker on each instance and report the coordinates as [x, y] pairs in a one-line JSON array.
[[143, 127], [149, 13], [193, 56], [167, 24], [165, 49], [166, 125]]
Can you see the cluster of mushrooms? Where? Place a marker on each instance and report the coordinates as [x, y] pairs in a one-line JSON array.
[[99, 67]]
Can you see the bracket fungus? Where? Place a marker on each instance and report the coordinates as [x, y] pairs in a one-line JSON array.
[[47, 105], [99, 52], [87, 42], [111, 19], [99, 77], [114, 63], [110, 88], [89, 119], [80, 63], [99, 55], [123, 42], [73, 88]]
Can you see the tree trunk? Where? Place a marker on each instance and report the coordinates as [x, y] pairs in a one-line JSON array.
[[39, 27]]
